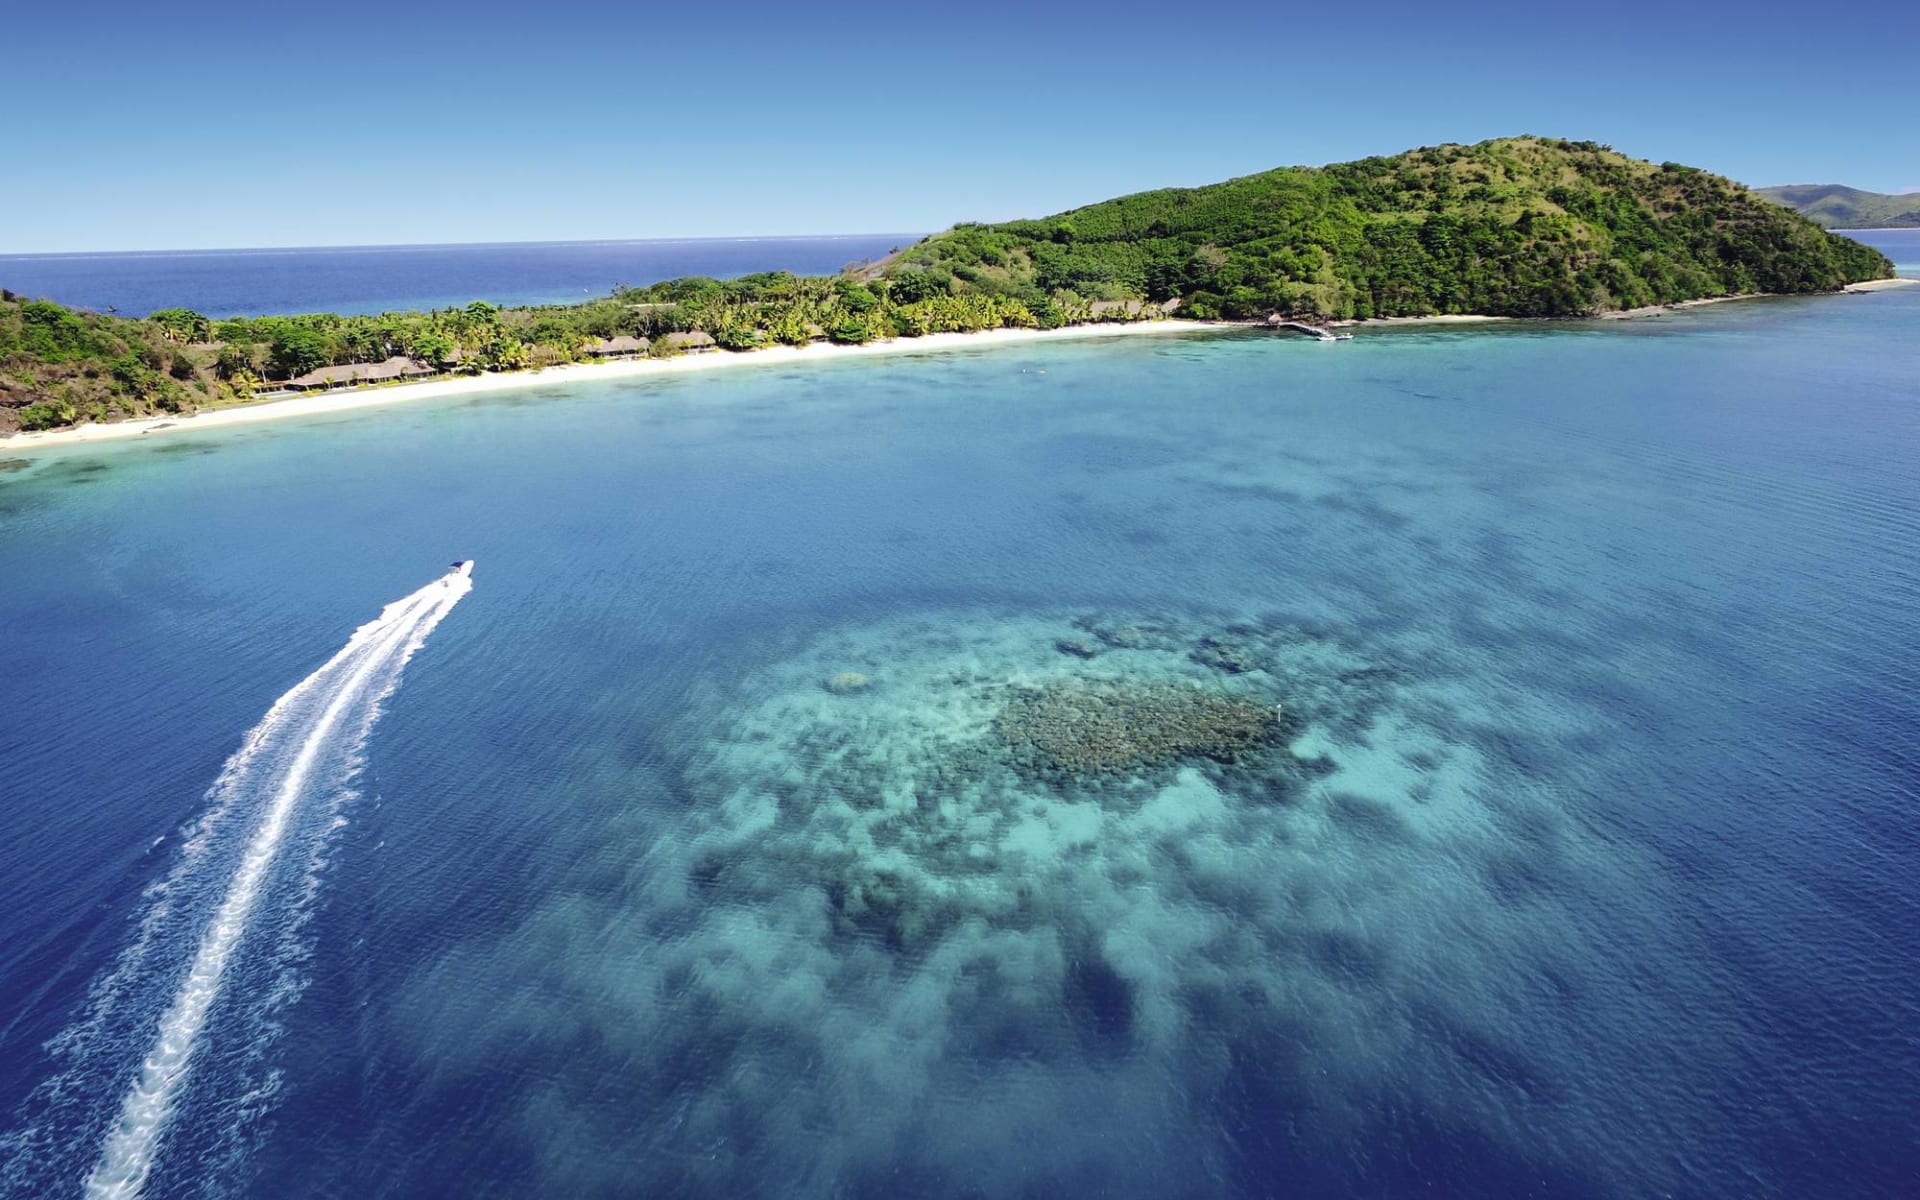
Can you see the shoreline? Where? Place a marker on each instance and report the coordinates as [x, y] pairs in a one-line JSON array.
[[1881, 285], [1623, 314], [280, 407], [1654, 310], [1436, 319], [286, 405]]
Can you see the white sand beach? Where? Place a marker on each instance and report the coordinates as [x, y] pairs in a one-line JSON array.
[[346, 399], [1881, 285]]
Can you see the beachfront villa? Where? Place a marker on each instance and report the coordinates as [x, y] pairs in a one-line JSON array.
[[691, 341], [619, 347], [400, 367], [350, 374]]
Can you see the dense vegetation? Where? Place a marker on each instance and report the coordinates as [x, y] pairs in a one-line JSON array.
[[1837, 207], [58, 366], [1518, 226]]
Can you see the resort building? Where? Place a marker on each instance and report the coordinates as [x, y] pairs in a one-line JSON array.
[[351, 374], [692, 342], [618, 347]]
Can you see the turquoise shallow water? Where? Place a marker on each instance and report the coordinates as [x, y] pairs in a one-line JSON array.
[[1536, 815]]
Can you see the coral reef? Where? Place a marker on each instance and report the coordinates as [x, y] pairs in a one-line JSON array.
[[1106, 727], [1002, 748]]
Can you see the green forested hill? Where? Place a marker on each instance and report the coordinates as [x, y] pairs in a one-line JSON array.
[[1517, 226], [1837, 207]]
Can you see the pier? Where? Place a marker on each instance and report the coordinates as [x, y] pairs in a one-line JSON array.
[[1319, 333]]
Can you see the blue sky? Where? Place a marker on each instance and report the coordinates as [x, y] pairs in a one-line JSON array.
[[154, 126]]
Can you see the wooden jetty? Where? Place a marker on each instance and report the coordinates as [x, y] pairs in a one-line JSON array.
[[1319, 333]]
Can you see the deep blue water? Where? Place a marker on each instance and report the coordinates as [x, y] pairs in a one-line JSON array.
[[1585, 868], [372, 279], [1900, 245]]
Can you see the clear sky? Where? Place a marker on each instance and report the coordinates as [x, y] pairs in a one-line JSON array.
[[142, 125]]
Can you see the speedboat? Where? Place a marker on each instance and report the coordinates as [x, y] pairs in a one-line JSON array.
[[460, 569]]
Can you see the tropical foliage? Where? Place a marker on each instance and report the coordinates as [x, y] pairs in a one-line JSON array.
[[58, 366], [1516, 227]]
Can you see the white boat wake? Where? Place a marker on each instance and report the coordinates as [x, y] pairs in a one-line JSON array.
[[289, 776]]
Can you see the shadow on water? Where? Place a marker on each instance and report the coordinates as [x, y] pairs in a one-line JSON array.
[[1364, 506], [75, 471], [516, 398], [182, 449], [1105, 452], [1099, 1001]]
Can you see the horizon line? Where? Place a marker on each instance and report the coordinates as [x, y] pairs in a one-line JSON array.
[[188, 252]]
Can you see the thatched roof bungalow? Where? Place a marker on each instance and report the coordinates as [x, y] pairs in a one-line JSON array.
[[692, 341], [349, 374], [618, 347]]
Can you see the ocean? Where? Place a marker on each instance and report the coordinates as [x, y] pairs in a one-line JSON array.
[[1900, 245], [374, 279], [1467, 761]]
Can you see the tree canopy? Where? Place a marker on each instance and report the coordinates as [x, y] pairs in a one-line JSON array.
[[58, 366], [1523, 226]]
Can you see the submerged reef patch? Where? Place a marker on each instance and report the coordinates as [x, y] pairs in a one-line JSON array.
[[847, 683], [1107, 726], [1006, 755]]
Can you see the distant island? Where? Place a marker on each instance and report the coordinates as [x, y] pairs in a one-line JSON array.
[[1835, 206], [1519, 227]]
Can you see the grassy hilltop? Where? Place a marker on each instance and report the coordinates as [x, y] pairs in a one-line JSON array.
[[1517, 226]]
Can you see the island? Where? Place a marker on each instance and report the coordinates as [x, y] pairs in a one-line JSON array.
[[1836, 206], [1512, 227]]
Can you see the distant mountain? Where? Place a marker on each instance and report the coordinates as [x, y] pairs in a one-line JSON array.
[[1838, 207]]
